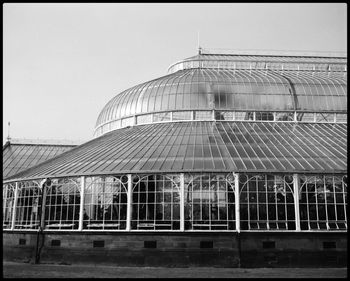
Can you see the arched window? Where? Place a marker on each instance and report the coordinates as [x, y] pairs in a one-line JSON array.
[[62, 204], [323, 201], [156, 202], [266, 202], [105, 203], [28, 205], [209, 202], [8, 194]]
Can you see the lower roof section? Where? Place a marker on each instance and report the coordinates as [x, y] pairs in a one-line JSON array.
[[205, 146], [18, 155]]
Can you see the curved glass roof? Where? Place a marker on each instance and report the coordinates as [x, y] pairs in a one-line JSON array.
[[301, 63], [263, 83], [205, 146]]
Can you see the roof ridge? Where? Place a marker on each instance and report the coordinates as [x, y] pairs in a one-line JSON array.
[[45, 141]]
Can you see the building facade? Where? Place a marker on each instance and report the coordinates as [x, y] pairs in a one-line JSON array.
[[228, 160]]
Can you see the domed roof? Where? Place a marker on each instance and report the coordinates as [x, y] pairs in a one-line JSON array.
[[312, 90], [236, 82]]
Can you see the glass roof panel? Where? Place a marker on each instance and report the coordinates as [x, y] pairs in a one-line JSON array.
[[237, 89], [206, 146], [18, 157]]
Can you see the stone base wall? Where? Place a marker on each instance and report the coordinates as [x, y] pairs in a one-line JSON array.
[[179, 249], [293, 249]]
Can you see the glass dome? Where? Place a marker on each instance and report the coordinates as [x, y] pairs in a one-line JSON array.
[[233, 82]]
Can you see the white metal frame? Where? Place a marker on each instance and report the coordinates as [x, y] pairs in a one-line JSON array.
[[323, 204], [298, 190], [237, 116]]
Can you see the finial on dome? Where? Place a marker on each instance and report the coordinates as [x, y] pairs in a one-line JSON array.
[[199, 47], [8, 136]]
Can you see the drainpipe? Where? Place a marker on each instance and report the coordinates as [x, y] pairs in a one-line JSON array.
[[45, 183]]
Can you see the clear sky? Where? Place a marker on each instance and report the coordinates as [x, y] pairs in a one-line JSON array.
[[64, 62]]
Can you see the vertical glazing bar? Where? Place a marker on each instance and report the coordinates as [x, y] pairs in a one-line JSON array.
[[296, 185], [257, 202], [103, 199], [14, 207], [307, 202], [129, 204], [276, 204], [317, 206], [325, 201], [285, 204], [335, 203], [82, 199], [344, 201], [267, 205], [238, 226], [4, 201], [182, 202], [43, 203]]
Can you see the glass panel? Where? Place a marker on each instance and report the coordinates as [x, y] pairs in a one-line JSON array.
[[284, 116], [306, 117], [128, 122], [209, 202], [264, 116], [182, 115], [266, 202], [156, 202], [324, 117], [243, 115], [8, 194], [116, 124], [28, 205], [342, 118], [223, 115], [141, 119], [105, 203], [323, 202], [203, 115], [161, 117], [62, 204]]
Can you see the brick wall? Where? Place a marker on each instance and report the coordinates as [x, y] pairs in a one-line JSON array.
[[181, 249]]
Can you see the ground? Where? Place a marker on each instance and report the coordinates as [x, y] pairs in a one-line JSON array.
[[27, 270]]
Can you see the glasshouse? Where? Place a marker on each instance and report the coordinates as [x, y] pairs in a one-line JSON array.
[[228, 160]]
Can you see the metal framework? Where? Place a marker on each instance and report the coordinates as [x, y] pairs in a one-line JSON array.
[[105, 203], [323, 201], [266, 202], [209, 202], [179, 202], [225, 143], [26, 205], [62, 200], [241, 84], [222, 115]]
